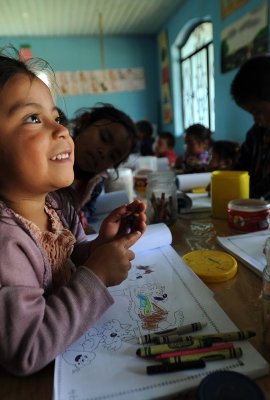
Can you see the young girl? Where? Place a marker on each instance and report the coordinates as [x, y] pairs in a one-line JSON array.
[[164, 147], [195, 157], [104, 136], [53, 283], [223, 154]]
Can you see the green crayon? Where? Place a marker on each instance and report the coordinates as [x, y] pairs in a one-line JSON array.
[[234, 352], [154, 350], [226, 336]]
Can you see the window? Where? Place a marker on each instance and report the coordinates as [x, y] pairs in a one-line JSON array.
[[197, 77]]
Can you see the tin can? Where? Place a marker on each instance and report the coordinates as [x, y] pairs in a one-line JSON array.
[[248, 215]]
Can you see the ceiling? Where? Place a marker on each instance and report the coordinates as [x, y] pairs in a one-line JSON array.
[[84, 17]]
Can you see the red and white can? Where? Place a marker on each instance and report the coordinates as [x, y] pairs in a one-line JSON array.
[[248, 215]]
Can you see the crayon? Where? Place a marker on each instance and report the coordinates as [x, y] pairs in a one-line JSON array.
[[234, 352], [150, 338], [216, 347], [150, 351], [163, 368], [212, 338], [227, 336]]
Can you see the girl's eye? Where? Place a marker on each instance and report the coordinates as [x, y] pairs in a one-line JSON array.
[[33, 119], [58, 120]]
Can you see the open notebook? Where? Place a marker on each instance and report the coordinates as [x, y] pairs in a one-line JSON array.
[[160, 292], [248, 248]]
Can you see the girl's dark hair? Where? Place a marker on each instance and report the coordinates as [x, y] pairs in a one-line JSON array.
[[10, 65], [252, 81], [84, 117], [199, 132], [145, 127], [168, 136], [226, 150]]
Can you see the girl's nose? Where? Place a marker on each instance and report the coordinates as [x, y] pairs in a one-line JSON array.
[[61, 131]]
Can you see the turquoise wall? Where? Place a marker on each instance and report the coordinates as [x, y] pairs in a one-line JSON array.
[[82, 53], [231, 121]]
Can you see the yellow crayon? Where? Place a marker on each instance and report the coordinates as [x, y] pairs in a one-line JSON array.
[[234, 352], [150, 351]]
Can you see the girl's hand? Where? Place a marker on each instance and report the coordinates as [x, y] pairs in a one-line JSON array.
[[122, 221], [112, 261]]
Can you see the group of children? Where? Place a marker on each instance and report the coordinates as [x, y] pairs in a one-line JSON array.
[[201, 153], [53, 281]]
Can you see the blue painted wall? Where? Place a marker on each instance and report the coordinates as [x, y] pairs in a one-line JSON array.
[[82, 53]]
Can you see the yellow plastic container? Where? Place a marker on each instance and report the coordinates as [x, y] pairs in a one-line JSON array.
[[211, 265], [227, 186]]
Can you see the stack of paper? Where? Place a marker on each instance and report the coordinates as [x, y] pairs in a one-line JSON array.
[[248, 248]]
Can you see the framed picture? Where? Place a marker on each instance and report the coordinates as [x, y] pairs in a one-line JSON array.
[[229, 6]]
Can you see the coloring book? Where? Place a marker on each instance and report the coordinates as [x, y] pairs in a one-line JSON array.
[[161, 292]]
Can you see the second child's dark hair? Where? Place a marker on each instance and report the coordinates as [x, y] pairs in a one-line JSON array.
[[199, 132], [145, 127], [85, 117], [252, 81], [226, 150], [168, 136]]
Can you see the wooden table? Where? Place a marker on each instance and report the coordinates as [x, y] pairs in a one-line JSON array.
[[239, 297]]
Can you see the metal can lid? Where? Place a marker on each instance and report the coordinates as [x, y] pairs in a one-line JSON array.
[[248, 205]]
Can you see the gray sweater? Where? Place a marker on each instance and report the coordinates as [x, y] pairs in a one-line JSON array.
[[36, 324]]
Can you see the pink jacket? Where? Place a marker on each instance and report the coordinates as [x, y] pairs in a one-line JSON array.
[[35, 324]]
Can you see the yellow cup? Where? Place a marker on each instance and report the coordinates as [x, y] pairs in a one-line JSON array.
[[227, 186]]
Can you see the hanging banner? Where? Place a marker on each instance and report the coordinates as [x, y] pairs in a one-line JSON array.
[[165, 78], [76, 83]]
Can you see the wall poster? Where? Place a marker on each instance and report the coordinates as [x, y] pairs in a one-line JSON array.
[[245, 38], [227, 7], [76, 83]]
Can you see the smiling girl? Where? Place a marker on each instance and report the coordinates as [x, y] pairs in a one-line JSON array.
[[53, 283]]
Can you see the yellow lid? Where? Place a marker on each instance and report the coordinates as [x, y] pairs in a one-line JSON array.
[[211, 265]]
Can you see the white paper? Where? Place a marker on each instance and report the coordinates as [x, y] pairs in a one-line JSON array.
[[106, 203], [187, 182], [248, 248], [160, 292]]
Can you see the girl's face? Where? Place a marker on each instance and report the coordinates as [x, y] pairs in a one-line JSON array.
[[36, 152], [260, 110], [193, 146], [101, 146]]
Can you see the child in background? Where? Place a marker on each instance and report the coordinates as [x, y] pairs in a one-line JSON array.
[[164, 147], [104, 136], [250, 89], [195, 158], [53, 282], [223, 155], [145, 138]]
